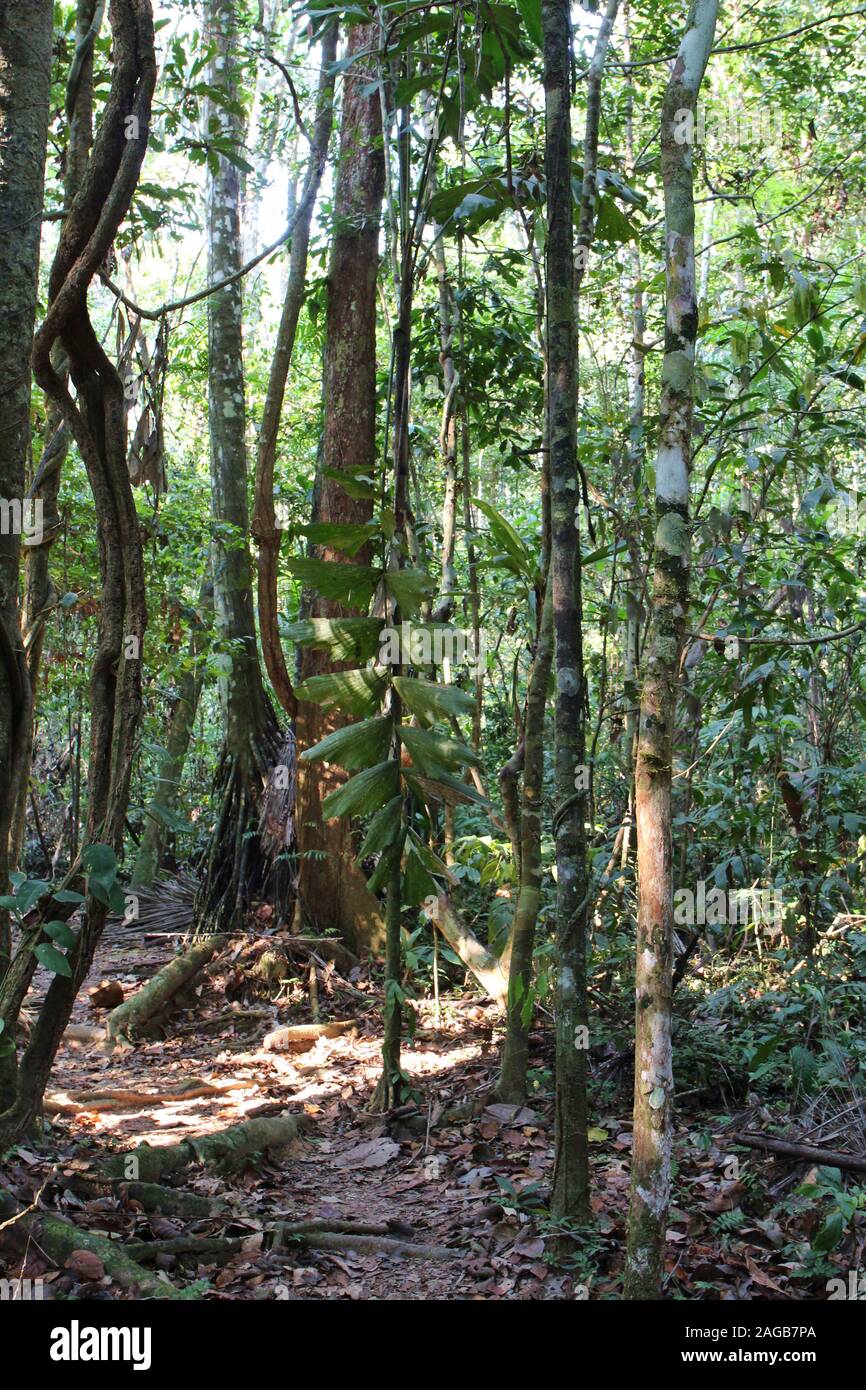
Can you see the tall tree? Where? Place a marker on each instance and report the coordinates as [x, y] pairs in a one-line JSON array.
[[97, 422], [25, 91], [570, 1196], [265, 527], [653, 1075], [235, 865], [333, 891], [45, 487]]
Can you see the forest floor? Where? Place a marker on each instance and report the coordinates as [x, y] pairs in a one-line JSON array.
[[474, 1184]]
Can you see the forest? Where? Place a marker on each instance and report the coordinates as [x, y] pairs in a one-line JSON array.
[[432, 635]]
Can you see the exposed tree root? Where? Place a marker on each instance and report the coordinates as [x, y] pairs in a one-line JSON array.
[[130, 1016], [300, 1035], [313, 1236], [238, 862], [151, 1196], [226, 1149], [171, 1201], [480, 963], [57, 1239], [84, 1033], [325, 946], [107, 1101]]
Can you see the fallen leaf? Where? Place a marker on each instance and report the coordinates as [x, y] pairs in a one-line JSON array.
[[375, 1153], [86, 1266]]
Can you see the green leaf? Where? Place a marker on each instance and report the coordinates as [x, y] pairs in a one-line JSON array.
[[101, 860], [432, 752], [345, 583], [52, 959], [763, 1051], [29, 893], [358, 487], [430, 701], [66, 895], [344, 639], [354, 692], [612, 225], [356, 746], [345, 536], [382, 872], [443, 787], [830, 1233], [364, 793], [530, 12], [383, 829], [409, 587], [61, 933], [417, 882], [522, 561]]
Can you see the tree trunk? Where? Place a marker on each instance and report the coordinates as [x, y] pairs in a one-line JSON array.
[[515, 1051], [26, 31], [45, 486], [653, 1090], [181, 722], [265, 528], [636, 327], [236, 862], [445, 602], [98, 424], [333, 891], [570, 1196]]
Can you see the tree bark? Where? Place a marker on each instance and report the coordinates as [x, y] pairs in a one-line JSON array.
[[515, 1051], [180, 726], [26, 31], [45, 487], [653, 1091], [570, 1196], [333, 891], [98, 424], [478, 960], [265, 529], [236, 863]]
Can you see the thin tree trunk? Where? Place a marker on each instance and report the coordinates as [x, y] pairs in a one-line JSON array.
[[515, 1051], [653, 1090], [570, 1196], [444, 608], [636, 322], [235, 865], [334, 893], [98, 425], [148, 859], [265, 529], [45, 487], [25, 88]]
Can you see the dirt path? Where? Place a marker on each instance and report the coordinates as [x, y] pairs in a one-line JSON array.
[[473, 1184], [433, 1184]]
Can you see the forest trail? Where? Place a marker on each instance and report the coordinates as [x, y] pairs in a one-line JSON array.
[[473, 1186], [431, 1186]]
